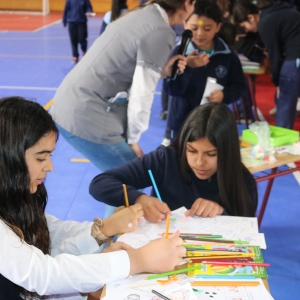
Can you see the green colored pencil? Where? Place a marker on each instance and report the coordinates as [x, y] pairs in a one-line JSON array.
[[173, 272]]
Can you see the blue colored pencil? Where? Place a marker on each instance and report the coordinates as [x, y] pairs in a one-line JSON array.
[[154, 185]]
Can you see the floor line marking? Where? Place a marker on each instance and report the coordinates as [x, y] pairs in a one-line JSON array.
[[48, 105], [7, 87], [81, 160]]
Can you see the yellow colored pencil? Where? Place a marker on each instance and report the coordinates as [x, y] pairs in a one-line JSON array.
[[125, 195], [217, 256], [227, 253], [167, 227], [225, 283]]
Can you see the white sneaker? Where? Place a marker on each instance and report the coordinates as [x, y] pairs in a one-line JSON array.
[[273, 111], [166, 142]]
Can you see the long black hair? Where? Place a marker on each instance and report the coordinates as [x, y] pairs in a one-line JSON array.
[[22, 124], [116, 8], [215, 122]]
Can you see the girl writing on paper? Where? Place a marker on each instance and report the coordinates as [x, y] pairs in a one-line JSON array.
[[41, 255], [201, 170]]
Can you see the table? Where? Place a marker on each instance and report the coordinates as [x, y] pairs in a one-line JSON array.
[[260, 166]]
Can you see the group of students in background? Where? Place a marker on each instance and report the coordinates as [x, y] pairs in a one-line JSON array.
[[101, 108]]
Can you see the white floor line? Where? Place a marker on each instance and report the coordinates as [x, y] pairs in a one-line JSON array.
[[43, 27], [27, 88], [296, 174]]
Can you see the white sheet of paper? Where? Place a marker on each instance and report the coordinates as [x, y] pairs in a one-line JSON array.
[[233, 228], [211, 85]]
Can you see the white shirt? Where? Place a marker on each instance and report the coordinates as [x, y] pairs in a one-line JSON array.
[[141, 96], [69, 269]]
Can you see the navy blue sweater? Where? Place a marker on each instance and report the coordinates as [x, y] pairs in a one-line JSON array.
[[164, 164], [187, 89], [75, 11], [279, 29]]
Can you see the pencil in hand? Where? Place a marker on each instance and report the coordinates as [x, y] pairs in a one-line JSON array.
[[125, 195]]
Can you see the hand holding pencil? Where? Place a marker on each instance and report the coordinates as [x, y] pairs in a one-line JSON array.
[[122, 220], [159, 255], [155, 210]]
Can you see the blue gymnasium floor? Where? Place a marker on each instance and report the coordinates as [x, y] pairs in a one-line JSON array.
[[32, 65]]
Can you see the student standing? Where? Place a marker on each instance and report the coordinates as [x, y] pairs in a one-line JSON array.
[[103, 105], [201, 170], [29, 236], [91, 106], [279, 27], [209, 56], [75, 15]]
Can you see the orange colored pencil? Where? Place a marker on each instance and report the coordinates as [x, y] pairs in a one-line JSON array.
[[125, 195], [225, 283], [167, 227]]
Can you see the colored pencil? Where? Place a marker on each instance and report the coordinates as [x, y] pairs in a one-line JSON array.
[[250, 277], [160, 295], [187, 236], [173, 272], [215, 253], [192, 233], [125, 195], [220, 256], [167, 226], [154, 185], [225, 283], [216, 240], [238, 263], [208, 259]]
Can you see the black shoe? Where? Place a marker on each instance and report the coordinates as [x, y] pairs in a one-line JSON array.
[[163, 115]]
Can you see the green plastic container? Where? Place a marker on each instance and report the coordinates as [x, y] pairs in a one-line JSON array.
[[278, 136]]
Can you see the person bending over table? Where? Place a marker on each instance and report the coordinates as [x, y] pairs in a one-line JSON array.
[[29, 236], [201, 170]]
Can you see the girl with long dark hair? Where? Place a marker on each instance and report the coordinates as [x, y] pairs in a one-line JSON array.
[[202, 170], [41, 255]]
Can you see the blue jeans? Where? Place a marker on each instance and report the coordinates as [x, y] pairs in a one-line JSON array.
[[289, 85], [103, 156]]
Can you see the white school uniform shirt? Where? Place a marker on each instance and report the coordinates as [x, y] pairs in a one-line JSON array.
[[70, 268]]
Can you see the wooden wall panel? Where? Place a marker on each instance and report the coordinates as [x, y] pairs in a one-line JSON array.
[[99, 6], [32, 5]]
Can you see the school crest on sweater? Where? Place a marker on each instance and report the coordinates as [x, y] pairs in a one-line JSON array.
[[221, 71]]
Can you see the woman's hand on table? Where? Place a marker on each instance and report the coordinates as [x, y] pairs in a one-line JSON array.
[[155, 211], [122, 220], [205, 208], [158, 256]]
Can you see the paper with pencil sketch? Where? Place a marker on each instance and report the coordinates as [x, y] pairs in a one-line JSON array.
[[211, 85], [138, 288], [232, 228]]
